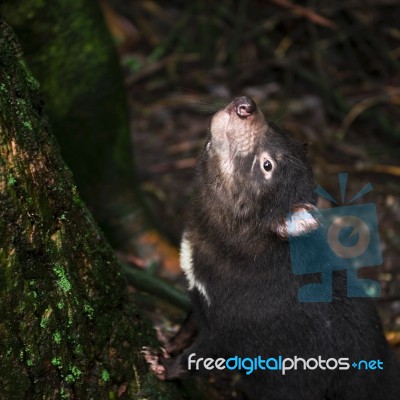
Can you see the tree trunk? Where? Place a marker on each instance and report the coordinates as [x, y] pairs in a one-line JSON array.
[[67, 326], [70, 51]]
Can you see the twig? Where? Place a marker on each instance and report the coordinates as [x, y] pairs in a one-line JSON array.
[[364, 167], [154, 66], [151, 284], [307, 13], [362, 106]]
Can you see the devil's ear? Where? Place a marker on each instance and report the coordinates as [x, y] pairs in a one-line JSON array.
[[303, 220]]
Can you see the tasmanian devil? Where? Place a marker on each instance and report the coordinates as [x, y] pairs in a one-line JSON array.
[[236, 256]]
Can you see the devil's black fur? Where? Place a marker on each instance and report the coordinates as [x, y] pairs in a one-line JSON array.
[[252, 307]]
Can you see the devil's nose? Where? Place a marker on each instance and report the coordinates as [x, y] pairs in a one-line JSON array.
[[244, 106]]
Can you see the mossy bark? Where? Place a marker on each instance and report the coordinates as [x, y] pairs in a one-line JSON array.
[[67, 326], [70, 51]]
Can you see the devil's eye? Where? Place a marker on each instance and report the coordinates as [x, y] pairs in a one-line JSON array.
[[267, 165]]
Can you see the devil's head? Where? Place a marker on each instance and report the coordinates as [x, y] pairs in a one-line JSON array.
[[252, 175]]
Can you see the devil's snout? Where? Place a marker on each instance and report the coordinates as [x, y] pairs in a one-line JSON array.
[[244, 106]]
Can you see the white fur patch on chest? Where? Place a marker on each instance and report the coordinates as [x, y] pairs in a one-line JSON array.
[[186, 262]]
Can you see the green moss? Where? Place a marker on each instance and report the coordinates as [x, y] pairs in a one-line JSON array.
[[78, 350], [105, 376], [33, 84], [89, 310], [57, 337], [76, 372], [74, 375], [63, 394], [60, 305], [11, 180], [70, 378], [29, 363], [57, 362], [62, 280], [27, 125], [76, 198]]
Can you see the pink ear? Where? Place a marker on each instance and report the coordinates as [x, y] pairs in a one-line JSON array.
[[303, 220]]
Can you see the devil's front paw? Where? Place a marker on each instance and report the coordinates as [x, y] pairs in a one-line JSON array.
[[153, 358]]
